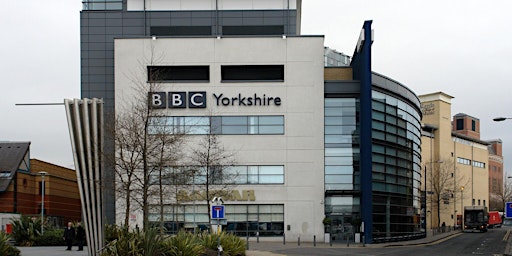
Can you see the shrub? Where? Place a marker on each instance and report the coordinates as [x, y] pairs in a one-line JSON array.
[[183, 244], [133, 243], [5, 247], [232, 245], [51, 237], [25, 230]]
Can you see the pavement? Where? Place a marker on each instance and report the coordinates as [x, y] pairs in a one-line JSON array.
[[258, 248]]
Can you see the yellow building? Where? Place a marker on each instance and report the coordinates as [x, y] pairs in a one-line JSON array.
[[454, 162]]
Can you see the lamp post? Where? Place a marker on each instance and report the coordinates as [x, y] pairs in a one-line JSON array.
[[462, 207], [42, 200], [499, 119]]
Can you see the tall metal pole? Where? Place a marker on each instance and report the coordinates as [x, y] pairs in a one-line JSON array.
[[42, 200]]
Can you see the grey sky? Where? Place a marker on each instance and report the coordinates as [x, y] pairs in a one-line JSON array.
[[460, 47]]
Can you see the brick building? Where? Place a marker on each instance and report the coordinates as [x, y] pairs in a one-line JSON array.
[[21, 186]]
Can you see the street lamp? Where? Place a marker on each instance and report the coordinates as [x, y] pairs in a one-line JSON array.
[[42, 200], [499, 119], [462, 207]]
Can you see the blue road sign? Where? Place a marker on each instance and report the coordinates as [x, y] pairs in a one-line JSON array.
[[217, 211], [508, 210]]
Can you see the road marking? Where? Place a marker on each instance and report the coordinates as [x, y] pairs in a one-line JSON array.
[[505, 237]]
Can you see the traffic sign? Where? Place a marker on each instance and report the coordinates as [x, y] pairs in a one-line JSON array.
[[508, 210], [217, 211]]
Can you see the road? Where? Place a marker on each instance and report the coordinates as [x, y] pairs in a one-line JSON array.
[[491, 243]]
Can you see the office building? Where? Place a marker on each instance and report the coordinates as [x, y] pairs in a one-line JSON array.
[[318, 149]]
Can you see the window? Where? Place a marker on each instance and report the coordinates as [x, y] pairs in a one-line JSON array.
[[239, 174], [253, 73], [252, 30], [102, 5], [178, 73], [460, 124], [181, 30], [473, 125], [228, 125]]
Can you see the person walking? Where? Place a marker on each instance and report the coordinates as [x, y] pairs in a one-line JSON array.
[[80, 236], [69, 235]]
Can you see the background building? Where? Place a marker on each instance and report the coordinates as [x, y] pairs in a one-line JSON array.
[[454, 160], [21, 186]]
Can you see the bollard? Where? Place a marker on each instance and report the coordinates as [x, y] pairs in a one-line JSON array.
[[330, 241], [314, 241], [284, 238], [258, 237], [298, 241], [247, 246]]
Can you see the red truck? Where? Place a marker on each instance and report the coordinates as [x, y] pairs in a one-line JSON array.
[[494, 220]]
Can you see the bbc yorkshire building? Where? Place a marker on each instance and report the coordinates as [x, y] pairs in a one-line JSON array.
[[319, 147]]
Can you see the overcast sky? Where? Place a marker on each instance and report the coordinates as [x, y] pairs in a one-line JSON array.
[[460, 47]]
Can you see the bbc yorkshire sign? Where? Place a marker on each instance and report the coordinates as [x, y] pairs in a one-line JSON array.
[[198, 99]]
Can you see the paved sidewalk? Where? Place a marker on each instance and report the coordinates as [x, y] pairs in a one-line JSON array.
[[263, 248]]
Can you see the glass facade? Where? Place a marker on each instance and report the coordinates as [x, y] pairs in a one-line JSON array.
[[341, 170], [396, 167], [243, 220]]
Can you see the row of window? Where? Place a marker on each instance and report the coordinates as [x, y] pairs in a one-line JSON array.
[[262, 220], [102, 5], [240, 175], [208, 31], [226, 125], [229, 73], [465, 161]]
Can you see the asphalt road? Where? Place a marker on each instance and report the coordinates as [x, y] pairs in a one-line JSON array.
[[490, 243]]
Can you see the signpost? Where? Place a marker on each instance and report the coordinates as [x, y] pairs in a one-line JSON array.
[[218, 214], [508, 210]]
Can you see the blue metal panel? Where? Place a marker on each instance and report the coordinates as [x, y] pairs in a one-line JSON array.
[[361, 65]]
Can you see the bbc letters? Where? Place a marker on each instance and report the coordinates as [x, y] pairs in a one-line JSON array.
[[198, 100]]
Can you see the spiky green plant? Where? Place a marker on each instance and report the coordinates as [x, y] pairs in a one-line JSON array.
[[5, 247], [183, 244], [232, 245], [25, 230], [134, 243]]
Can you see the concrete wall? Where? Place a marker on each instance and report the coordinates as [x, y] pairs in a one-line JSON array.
[[300, 149]]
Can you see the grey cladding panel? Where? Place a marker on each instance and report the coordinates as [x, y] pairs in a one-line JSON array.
[[114, 22], [202, 14], [159, 15], [253, 21]]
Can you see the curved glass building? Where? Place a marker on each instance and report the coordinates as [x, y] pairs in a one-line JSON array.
[[372, 155]]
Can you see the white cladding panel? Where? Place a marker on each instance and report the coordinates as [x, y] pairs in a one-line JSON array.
[[192, 5], [300, 150]]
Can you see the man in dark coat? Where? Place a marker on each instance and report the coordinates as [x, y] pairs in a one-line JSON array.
[[80, 236], [69, 235]]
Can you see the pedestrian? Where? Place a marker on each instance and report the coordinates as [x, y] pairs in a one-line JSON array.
[[69, 235], [443, 227], [80, 236]]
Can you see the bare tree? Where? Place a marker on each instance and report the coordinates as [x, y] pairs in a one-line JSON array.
[[504, 195], [144, 146], [443, 182], [213, 162]]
